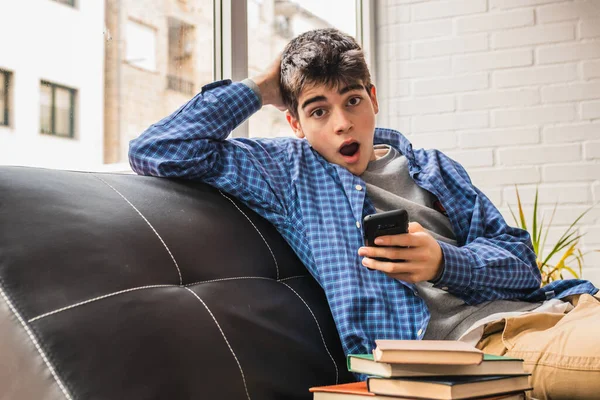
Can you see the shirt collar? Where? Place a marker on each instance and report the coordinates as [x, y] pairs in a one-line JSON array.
[[399, 142]]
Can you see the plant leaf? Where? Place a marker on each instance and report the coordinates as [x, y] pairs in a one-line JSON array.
[[549, 226], [521, 213], [536, 244], [535, 212], [567, 254], [575, 275], [561, 245], [514, 216]]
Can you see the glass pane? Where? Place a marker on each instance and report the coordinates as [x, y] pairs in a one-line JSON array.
[[2, 99], [62, 112], [137, 98], [46, 108], [140, 41], [271, 25], [130, 64]]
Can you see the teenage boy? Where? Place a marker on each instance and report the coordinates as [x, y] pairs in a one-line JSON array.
[[463, 265]]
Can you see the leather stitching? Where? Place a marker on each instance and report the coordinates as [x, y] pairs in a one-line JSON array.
[[294, 277], [225, 338], [320, 332], [81, 303], [149, 224], [36, 344], [228, 279], [96, 299], [262, 237]]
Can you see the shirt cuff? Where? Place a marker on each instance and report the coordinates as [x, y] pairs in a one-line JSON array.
[[252, 85], [456, 275]]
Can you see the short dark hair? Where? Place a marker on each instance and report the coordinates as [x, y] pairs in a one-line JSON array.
[[321, 56]]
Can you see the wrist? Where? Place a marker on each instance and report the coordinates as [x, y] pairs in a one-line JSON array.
[[439, 274], [254, 87], [269, 90]]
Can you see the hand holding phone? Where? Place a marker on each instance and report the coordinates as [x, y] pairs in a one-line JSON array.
[[416, 256], [382, 224]]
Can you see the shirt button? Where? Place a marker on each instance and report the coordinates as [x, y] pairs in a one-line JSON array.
[[358, 187], [419, 332], [358, 224]]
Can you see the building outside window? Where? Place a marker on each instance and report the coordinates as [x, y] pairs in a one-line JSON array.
[[133, 63], [4, 97], [141, 45], [181, 60], [271, 24], [57, 110]]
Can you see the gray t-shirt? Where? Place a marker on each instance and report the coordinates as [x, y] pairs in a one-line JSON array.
[[390, 187]]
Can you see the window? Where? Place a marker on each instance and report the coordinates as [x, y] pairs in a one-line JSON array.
[[271, 26], [4, 97], [57, 111], [67, 2], [141, 46], [152, 59], [181, 57], [175, 41]]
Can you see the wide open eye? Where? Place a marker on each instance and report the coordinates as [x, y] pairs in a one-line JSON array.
[[318, 113], [354, 101]]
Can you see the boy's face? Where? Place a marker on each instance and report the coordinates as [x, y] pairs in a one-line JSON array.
[[339, 123]]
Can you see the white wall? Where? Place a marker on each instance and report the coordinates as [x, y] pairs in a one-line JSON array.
[[46, 40], [510, 88]]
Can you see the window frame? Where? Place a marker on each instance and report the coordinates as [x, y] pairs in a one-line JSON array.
[[5, 92], [231, 41], [72, 95]]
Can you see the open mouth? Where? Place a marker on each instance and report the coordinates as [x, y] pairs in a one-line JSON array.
[[349, 149]]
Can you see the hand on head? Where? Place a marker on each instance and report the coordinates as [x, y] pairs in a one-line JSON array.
[[268, 83]]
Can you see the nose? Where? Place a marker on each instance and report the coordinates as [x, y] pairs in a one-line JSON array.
[[342, 123]]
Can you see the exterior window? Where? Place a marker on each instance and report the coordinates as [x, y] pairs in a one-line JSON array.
[[271, 26], [67, 2], [4, 97], [57, 110], [141, 46], [181, 57]]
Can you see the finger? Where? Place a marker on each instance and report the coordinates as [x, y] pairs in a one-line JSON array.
[[403, 239], [393, 240], [414, 227], [393, 253], [390, 267]]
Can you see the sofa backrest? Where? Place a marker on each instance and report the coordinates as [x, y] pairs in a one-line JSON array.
[[127, 287]]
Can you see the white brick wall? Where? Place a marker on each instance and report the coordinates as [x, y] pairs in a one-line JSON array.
[[509, 88]]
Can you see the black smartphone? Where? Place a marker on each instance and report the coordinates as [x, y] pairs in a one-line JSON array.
[[387, 223]]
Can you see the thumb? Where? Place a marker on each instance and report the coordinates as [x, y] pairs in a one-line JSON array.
[[414, 227]]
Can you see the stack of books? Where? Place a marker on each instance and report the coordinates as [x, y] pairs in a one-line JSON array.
[[430, 369]]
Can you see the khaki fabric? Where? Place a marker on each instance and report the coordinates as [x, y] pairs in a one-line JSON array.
[[561, 351]]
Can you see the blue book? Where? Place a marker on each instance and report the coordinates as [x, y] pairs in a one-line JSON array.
[[491, 365]]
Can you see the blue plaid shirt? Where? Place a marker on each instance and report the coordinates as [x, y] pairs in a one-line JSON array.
[[318, 208]]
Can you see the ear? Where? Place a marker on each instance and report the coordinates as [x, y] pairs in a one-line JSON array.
[[373, 96], [295, 125]]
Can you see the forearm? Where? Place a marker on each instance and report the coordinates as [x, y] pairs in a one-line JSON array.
[[489, 269], [182, 143]]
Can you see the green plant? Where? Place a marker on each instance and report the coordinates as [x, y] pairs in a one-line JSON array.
[[571, 257]]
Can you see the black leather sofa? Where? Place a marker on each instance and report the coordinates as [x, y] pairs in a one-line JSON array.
[[117, 286]]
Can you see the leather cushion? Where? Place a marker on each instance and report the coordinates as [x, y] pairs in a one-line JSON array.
[[148, 288]]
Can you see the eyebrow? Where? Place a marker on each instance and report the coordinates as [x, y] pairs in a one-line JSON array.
[[349, 88]]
